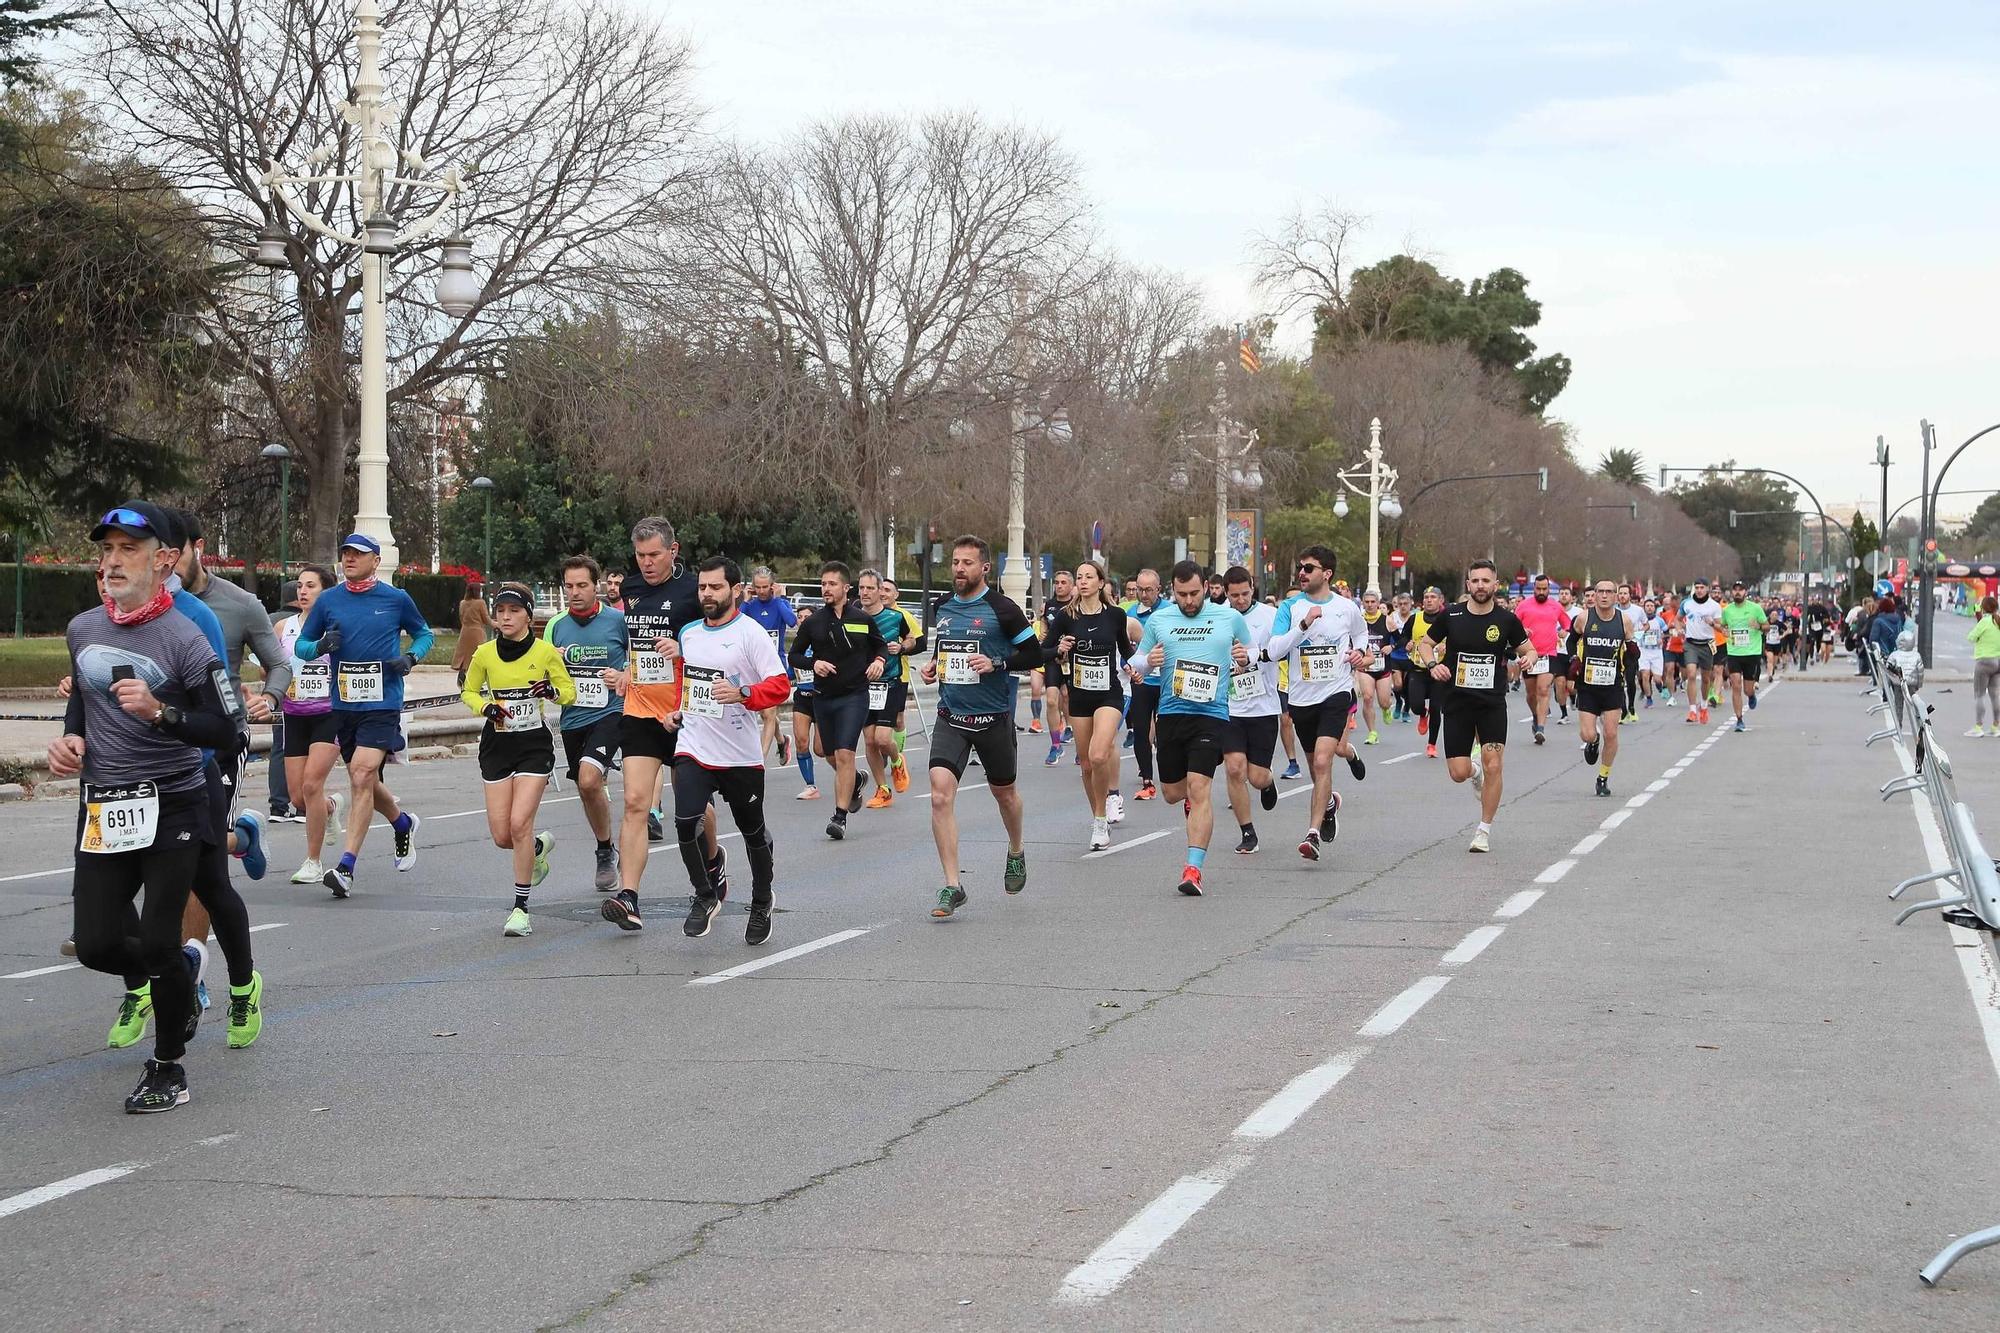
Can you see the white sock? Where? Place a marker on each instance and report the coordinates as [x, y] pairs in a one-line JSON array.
[[1485, 827]]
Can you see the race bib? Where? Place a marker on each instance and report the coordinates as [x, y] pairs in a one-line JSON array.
[[1649, 639], [1246, 685], [1599, 671], [804, 677], [1090, 671], [1476, 671], [119, 819], [955, 661], [1740, 640], [878, 695], [592, 692], [1197, 682], [522, 710], [1319, 662], [1540, 668], [312, 682], [698, 691], [361, 682], [1774, 635], [652, 669]]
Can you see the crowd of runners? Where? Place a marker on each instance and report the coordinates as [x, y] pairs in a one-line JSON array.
[[674, 675]]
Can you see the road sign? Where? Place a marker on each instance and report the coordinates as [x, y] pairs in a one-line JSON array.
[[1097, 536], [1398, 559], [1931, 545], [1883, 587]]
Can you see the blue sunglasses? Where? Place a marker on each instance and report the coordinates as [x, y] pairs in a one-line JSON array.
[[126, 518]]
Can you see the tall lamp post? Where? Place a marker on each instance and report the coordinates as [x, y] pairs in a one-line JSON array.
[[484, 485], [1376, 481], [372, 179], [284, 457]]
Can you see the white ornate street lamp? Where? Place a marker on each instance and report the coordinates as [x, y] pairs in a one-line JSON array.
[[1376, 482]]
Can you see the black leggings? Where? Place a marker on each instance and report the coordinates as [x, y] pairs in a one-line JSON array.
[[1139, 720], [743, 789], [1427, 700], [113, 935]]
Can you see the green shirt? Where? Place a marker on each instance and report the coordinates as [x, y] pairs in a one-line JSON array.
[[1742, 626], [1985, 638], [894, 625]]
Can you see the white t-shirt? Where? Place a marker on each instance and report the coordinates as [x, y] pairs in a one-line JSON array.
[[744, 655], [1635, 619], [1254, 693], [1317, 655], [1702, 619]]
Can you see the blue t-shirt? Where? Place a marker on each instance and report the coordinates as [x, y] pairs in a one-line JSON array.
[[776, 616], [990, 626], [205, 620], [589, 647], [371, 625], [1196, 672], [1139, 613]]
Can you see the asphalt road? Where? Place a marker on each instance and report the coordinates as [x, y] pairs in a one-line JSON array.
[[1659, 1061]]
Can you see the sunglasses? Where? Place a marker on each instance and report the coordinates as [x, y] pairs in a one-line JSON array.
[[126, 518], [1308, 567]]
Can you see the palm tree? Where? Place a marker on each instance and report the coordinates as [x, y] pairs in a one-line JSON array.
[[1623, 466]]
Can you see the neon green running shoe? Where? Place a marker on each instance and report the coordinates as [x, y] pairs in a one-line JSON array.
[[246, 1012], [1015, 877], [544, 844], [1374, 738], [518, 924], [133, 1011]]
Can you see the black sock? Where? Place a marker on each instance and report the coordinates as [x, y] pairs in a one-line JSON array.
[[1249, 829], [604, 844], [520, 897]]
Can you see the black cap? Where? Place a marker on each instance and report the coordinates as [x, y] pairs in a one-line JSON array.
[[139, 518]]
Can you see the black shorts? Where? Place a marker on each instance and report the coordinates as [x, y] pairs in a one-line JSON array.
[[954, 740], [899, 698], [1186, 743], [516, 754], [1260, 738], [1471, 719], [1747, 667], [596, 745], [1600, 699], [802, 702], [375, 729], [1559, 665], [305, 730], [646, 738], [1084, 703], [1670, 657], [840, 718], [1326, 720]]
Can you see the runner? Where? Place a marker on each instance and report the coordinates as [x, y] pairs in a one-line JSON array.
[[1700, 615], [1253, 710], [1401, 612], [1743, 621], [732, 671], [1377, 690], [660, 601], [1145, 698], [1651, 658], [311, 747], [1194, 646], [590, 638], [775, 613], [1427, 695], [1090, 640], [1473, 651], [1600, 690], [892, 596], [1635, 622], [1323, 639], [359, 625], [1548, 624], [1287, 735], [1559, 664], [150, 693], [981, 636], [1674, 646], [847, 654], [1062, 590], [888, 696], [1777, 638], [506, 681]]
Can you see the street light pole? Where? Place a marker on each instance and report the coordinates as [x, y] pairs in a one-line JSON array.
[[284, 457], [1379, 490], [484, 485], [1881, 514]]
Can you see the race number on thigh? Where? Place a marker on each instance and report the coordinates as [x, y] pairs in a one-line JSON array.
[[119, 819]]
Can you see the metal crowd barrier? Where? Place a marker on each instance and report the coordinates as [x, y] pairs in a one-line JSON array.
[[1972, 875]]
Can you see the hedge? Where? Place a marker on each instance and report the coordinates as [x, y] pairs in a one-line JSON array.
[[55, 593]]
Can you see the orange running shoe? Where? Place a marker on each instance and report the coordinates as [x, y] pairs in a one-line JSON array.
[[880, 800], [900, 775]]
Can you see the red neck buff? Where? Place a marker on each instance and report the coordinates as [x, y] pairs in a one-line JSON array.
[[584, 618], [362, 586], [154, 607]]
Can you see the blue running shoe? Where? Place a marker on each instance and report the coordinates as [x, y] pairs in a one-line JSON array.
[[250, 844], [1291, 770], [196, 961], [1055, 756]]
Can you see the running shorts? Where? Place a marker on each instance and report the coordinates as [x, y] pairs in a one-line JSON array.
[[1599, 699], [305, 730], [956, 738], [899, 697], [375, 729], [1699, 654], [802, 702], [1750, 668], [507, 755], [646, 738], [1260, 738], [1186, 743], [840, 718], [1082, 703], [1559, 665], [1470, 719], [596, 745], [1326, 720]]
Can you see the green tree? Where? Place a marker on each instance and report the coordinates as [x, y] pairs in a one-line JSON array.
[[1623, 466], [1761, 541], [1866, 538], [1981, 534]]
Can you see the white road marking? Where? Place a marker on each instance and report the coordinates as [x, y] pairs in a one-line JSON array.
[[1112, 1262], [1614, 819], [1675, 771], [1589, 843], [1519, 903], [1639, 800], [1401, 757], [1660, 784], [37, 874], [71, 967], [796, 951], [1554, 872], [1118, 847], [1293, 1100], [1473, 945], [49, 1193], [1403, 1008]]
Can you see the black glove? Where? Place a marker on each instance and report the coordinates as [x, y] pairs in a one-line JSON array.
[[329, 642], [543, 689], [494, 714], [402, 664]]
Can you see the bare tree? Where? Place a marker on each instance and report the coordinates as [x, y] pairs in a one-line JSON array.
[[900, 263], [572, 118]]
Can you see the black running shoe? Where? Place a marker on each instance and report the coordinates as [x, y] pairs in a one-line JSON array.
[[1247, 847], [1268, 797], [701, 915], [836, 828], [718, 878], [162, 1087], [622, 910], [654, 833], [1309, 845], [1356, 767], [1603, 785], [856, 801], [606, 877], [1329, 820], [340, 881], [1590, 752], [759, 928]]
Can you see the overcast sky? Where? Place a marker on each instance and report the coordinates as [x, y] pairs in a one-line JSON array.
[[1761, 231]]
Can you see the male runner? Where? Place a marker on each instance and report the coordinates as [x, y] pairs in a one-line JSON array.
[[980, 637], [1062, 591], [730, 670], [1323, 639], [1559, 660], [1635, 621], [1475, 649], [775, 612], [1743, 623], [1548, 623], [359, 624], [1253, 708], [1145, 700], [1600, 690], [1701, 615], [1195, 646], [1652, 661], [888, 696], [845, 650], [590, 636]]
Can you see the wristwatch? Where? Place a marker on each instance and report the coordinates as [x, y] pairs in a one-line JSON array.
[[168, 716]]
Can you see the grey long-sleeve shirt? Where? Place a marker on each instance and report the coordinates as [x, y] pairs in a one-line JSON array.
[[245, 623]]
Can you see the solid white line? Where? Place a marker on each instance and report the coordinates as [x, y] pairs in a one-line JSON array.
[[37, 874], [1403, 1008], [1118, 847], [1589, 843], [797, 950], [1639, 800], [41, 1194], [1659, 784], [1520, 902], [1401, 757], [71, 967], [1556, 870], [1132, 1244], [1614, 819], [1293, 1100], [1473, 945]]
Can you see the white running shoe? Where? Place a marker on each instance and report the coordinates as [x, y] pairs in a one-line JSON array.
[[336, 818], [309, 873], [1100, 836], [1478, 774], [1114, 809], [406, 844], [1479, 842]]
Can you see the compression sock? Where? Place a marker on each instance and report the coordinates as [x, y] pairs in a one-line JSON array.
[[1604, 770], [347, 863], [604, 844], [900, 737], [1196, 856], [806, 768], [402, 822], [1035, 709], [520, 897]]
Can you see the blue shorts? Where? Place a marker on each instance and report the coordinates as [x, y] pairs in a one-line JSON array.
[[373, 729]]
